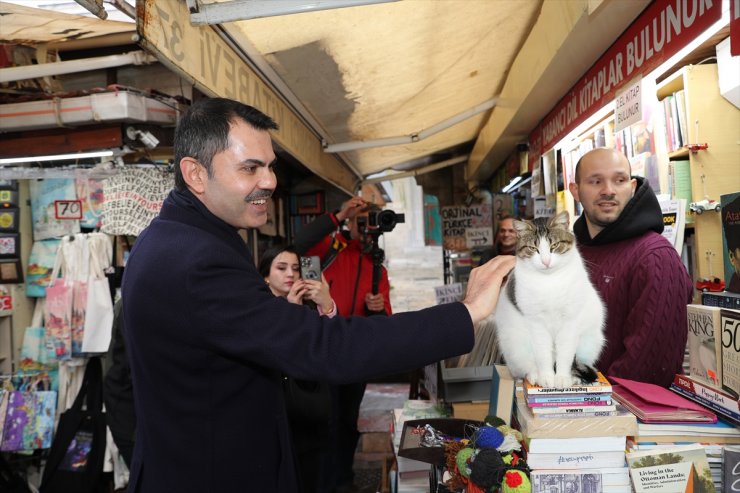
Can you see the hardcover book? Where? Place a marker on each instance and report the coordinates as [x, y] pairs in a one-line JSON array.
[[733, 418], [600, 386], [704, 343], [671, 470], [730, 330]]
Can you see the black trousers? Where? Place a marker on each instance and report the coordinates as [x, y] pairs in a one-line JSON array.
[[336, 465]]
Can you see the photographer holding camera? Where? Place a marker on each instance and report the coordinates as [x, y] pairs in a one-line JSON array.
[[348, 259]]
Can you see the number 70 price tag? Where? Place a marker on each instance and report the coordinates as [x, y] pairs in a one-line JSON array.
[[68, 209]]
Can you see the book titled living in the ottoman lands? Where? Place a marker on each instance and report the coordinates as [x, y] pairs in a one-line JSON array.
[[679, 469]]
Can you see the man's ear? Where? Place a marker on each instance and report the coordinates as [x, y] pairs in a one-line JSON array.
[[633, 183], [573, 187], [193, 173]]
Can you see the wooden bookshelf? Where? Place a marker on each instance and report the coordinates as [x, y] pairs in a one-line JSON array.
[[713, 120]]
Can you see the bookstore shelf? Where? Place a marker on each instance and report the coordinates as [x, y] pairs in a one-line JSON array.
[[714, 171]]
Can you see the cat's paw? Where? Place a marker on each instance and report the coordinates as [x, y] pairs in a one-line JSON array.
[[533, 377], [547, 380], [564, 381]]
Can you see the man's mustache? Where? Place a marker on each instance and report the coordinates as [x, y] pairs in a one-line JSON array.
[[262, 194]]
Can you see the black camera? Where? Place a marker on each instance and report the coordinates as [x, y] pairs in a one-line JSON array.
[[311, 268], [384, 221]]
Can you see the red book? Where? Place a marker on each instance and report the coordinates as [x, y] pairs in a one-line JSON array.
[[655, 404]]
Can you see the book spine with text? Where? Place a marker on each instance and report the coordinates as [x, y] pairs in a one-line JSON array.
[[721, 398], [570, 398], [597, 404], [725, 413], [600, 386], [573, 410], [576, 461]]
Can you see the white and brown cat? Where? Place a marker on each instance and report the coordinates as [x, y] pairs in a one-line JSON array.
[[549, 319]]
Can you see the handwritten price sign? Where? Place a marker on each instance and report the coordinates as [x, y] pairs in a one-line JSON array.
[[68, 209]]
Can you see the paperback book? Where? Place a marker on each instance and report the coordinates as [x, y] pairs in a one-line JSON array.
[[704, 343], [600, 386], [576, 460], [571, 410], [730, 324], [596, 480], [597, 403], [715, 399], [671, 470], [568, 399], [619, 423], [703, 432], [572, 445]]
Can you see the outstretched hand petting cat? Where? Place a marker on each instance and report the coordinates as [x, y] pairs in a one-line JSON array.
[[484, 284], [550, 318]]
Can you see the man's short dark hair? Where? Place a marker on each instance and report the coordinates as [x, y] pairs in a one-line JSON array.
[[203, 131]]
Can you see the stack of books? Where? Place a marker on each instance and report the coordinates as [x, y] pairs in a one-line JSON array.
[[592, 399], [582, 441]]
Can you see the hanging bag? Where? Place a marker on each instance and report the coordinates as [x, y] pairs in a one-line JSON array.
[[75, 461], [98, 321], [58, 310]]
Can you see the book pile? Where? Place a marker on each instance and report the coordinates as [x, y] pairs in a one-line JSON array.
[[589, 399], [582, 442], [667, 420]]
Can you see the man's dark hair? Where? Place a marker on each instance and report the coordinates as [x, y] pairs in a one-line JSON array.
[[203, 131]]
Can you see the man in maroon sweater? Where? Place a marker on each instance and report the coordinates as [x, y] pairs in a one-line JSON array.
[[637, 272]]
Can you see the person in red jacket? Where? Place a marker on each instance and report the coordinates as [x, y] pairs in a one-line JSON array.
[[347, 263], [638, 273]]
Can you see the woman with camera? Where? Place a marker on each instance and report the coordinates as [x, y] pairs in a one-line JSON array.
[[308, 404]]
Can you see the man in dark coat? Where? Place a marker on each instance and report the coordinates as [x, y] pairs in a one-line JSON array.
[[208, 341]]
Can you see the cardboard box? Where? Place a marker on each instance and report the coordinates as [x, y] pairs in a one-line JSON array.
[[470, 410]]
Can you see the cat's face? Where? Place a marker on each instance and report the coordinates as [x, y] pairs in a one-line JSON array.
[[544, 241]]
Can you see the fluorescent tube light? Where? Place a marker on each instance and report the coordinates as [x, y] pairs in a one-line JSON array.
[[511, 184], [56, 157]]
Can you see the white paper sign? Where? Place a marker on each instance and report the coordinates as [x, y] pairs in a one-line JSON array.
[[478, 237], [628, 106], [449, 293]]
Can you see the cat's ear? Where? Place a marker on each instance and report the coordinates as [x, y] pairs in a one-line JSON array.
[[521, 226], [561, 219]]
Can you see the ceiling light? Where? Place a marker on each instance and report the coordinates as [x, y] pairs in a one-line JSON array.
[[56, 157], [511, 184]]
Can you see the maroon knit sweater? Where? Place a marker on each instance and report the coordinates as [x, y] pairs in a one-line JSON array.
[[645, 288]]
